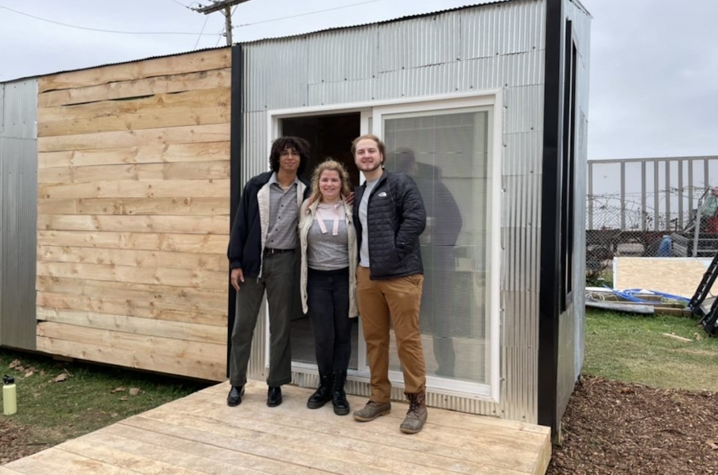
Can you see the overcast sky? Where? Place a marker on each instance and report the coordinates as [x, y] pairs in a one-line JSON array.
[[654, 63]]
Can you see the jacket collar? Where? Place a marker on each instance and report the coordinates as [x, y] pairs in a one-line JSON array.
[[379, 180], [273, 179], [313, 207]]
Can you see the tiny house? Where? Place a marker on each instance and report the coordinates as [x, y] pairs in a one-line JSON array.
[[140, 167]]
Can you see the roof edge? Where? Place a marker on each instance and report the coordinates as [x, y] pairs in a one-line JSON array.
[[382, 22], [271, 38]]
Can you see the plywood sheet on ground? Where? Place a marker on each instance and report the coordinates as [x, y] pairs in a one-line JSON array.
[[672, 275], [200, 434]]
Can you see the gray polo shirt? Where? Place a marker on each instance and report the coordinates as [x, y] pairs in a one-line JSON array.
[[283, 215]]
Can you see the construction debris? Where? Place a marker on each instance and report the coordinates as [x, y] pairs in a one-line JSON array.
[[640, 301], [676, 337], [619, 307]]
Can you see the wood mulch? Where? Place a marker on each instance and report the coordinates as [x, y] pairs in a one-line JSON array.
[[617, 428]]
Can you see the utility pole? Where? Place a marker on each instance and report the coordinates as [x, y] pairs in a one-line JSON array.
[[224, 6]]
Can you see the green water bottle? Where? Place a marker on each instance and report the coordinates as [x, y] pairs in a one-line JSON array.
[[9, 395]]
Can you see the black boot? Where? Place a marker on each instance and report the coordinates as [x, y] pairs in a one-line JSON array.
[[339, 397], [234, 398], [323, 394]]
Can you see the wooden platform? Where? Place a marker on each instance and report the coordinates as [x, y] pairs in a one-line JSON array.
[[199, 434], [671, 275]]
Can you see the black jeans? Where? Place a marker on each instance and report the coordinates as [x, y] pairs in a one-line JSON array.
[[328, 301]]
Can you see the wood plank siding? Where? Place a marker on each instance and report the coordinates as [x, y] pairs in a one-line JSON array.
[[133, 214]]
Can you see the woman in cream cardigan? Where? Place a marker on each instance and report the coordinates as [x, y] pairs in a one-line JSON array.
[[328, 279]]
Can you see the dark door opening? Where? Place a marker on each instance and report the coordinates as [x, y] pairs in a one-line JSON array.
[[329, 136]]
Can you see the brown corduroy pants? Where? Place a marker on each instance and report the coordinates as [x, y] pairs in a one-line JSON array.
[[381, 304]]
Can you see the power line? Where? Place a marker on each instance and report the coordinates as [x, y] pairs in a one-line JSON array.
[[200, 33], [180, 3], [306, 14], [102, 30], [224, 7], [221, 34], [218, 5]]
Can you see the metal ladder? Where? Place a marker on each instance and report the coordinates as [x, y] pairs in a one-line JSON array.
[[709, 319], [694, 224]]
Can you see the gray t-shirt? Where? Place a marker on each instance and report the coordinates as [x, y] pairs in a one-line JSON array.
[[363, 206], [327, 239]]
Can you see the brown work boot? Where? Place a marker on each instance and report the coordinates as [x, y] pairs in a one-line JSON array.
[[372, 410], [416, 415]]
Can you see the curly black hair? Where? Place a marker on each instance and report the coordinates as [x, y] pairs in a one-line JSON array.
[[300, 145]]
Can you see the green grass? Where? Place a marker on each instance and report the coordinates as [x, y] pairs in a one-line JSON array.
[[632, 348], [90, 397]]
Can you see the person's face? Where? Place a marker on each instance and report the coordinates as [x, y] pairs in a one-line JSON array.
[[368, 158], [330, 185], [289, 160]]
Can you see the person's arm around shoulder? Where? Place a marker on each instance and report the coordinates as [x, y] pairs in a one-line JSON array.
[[412, 214]]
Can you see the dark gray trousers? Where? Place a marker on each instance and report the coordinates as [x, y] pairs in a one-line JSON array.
[[278, 276]]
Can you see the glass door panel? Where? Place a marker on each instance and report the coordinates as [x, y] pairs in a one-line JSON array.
[[447, 153]]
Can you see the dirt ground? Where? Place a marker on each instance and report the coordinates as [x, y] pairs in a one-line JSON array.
[[16, 442], [616, 428], [609, 428]]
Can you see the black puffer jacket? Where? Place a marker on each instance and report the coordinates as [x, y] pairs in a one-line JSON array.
[[396, 218]]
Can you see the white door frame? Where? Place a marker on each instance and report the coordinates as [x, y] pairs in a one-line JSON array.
[[372, 114]]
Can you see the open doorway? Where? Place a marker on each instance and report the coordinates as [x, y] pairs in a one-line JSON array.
[[329, 136]]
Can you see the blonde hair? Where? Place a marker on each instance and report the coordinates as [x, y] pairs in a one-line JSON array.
[[330, 165]]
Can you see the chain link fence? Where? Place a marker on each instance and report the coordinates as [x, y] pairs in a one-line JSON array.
[[621, 228], [632, 203]]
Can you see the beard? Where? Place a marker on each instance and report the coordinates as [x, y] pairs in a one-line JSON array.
[[365, 167]]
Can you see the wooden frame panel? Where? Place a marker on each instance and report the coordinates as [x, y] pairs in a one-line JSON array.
[[133, 214]]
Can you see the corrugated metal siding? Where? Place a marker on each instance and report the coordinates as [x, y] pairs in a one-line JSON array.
[[277, 75], [2, 108], [474, 49], [420, 42], [571, 329], [582, 28], [255, 161], [18, 214]]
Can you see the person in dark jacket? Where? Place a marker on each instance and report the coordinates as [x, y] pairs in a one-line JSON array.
[[262, 256], [389, 217]]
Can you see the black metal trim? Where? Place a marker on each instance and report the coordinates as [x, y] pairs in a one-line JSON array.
[[568, 163], [550, 221], [235, 166]]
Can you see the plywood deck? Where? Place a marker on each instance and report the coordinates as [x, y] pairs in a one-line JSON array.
[[671, 275], [199, 434]]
